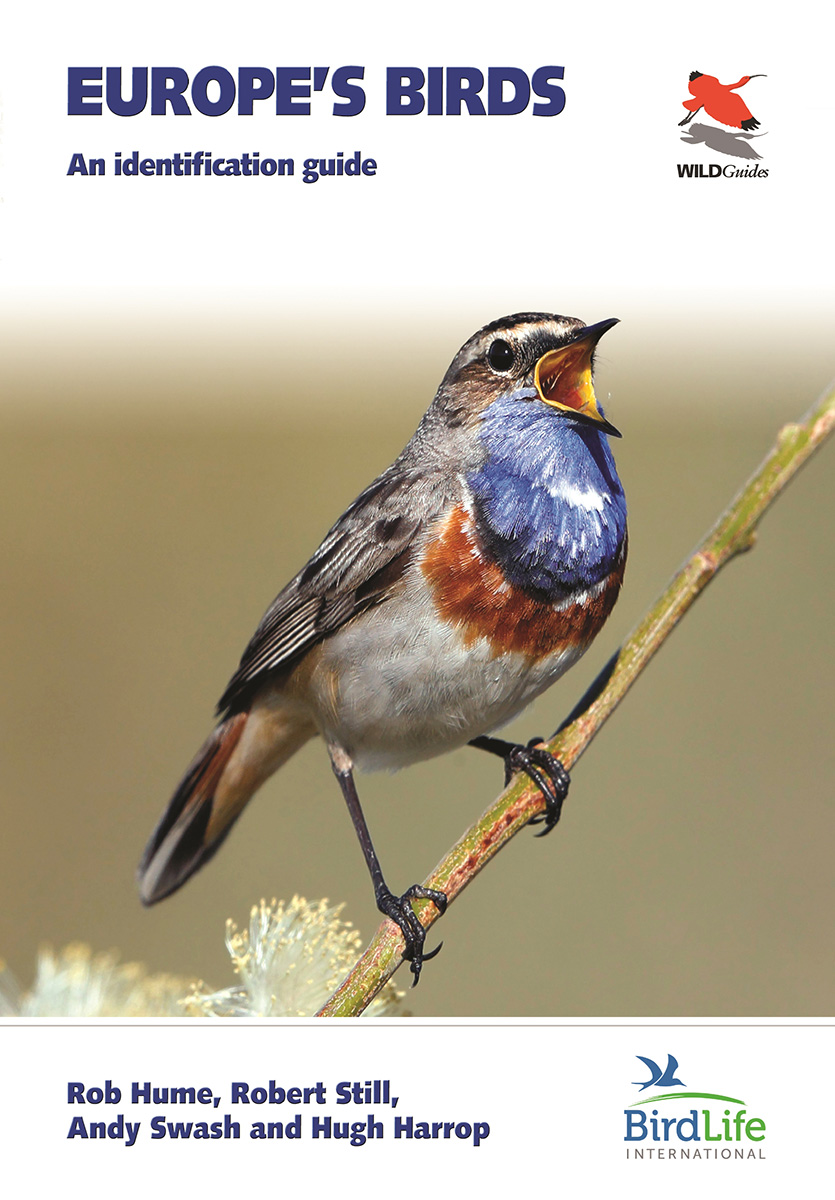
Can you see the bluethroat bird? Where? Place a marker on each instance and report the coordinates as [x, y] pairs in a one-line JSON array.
[[457, 587]]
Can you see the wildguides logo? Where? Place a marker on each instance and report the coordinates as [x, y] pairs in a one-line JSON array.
[[723, 104], [668, 1125]]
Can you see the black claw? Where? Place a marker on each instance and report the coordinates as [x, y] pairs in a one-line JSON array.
[[549, 775], [399, 910], [557, 777], [433, 953], [546, 771]]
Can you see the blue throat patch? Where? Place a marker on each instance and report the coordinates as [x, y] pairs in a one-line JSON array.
[[549, 505]]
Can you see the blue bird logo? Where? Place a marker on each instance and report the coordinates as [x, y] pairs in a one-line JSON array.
[[659, 1078]]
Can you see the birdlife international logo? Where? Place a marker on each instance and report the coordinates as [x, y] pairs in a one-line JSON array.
[[726, 127], [687, 1125]]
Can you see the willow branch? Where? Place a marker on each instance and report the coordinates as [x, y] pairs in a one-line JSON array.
[[733, 534]]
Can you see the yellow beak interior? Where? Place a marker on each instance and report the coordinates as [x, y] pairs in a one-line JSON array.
[[563, 379]]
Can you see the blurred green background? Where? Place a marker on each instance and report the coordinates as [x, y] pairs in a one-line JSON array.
[[142, 540]]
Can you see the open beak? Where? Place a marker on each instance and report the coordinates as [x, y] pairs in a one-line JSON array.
[[563, 377]]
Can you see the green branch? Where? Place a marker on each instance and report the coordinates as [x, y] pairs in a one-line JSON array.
[[733, 534]]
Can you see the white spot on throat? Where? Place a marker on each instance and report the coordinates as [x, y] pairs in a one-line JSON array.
[[590, 499]]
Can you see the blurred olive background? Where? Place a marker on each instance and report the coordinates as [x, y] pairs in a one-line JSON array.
[[158, 493]]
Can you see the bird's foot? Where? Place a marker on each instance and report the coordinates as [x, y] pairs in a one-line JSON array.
[[399, 910], [543, 769], [540, 767], [549, 775], [546, 771]]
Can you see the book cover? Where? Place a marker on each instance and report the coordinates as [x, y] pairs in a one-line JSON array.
[[240, 250]]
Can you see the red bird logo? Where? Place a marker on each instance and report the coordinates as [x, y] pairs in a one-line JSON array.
[[720, 101]]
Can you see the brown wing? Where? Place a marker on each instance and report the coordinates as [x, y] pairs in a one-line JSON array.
[[356, 566]]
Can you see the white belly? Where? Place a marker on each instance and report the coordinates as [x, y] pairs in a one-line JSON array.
[[397, 685]]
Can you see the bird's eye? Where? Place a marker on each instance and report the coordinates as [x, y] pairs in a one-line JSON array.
[[500, 356]]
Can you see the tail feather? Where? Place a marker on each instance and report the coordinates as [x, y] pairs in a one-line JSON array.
[[183, 839]]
